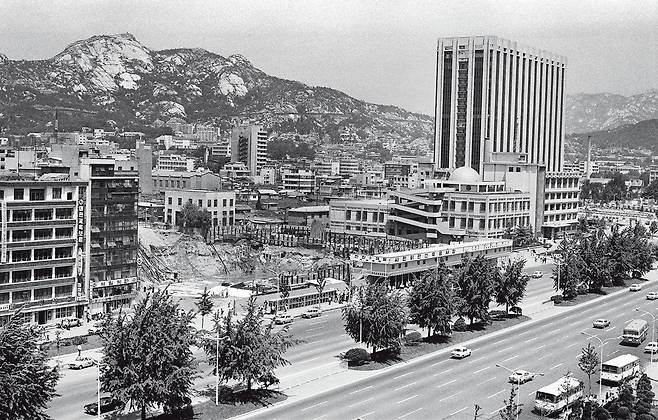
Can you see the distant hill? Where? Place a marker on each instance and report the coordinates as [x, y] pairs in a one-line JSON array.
[[115, 77], [606, 111], [641, 135]]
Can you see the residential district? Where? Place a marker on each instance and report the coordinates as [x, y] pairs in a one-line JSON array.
[[213, 273]]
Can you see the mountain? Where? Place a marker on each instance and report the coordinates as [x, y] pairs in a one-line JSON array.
[[605, 111], [115, 77], [642, 135]]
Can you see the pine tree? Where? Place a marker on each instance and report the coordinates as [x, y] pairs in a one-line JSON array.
[[511, 285], [432, 301], [204, 304], [27, 384], [644, 398], [475, 280], [147, 358]]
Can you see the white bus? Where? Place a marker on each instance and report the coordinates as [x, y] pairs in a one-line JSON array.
[[557, 396], [635, 331], [620, 368]]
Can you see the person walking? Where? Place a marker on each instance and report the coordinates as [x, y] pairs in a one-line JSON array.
[[79, 350]]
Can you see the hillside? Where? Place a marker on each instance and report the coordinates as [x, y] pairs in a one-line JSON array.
[[115, 77], [641, 135]]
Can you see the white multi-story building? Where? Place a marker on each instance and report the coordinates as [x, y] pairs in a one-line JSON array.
[[298, 180], [220, 205], [172, 162], [358, 217], [249, 146], [492, 88]]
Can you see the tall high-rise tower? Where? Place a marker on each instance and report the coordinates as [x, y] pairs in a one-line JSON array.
[[492, 88], [249, 146]]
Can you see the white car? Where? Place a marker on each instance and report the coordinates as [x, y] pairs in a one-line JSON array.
[[652, 296], [537, 275], [460, 352], [521, 377], [635, 287], [283, 319], [312, 313], [652, 346], [601, 323], [81, 362]]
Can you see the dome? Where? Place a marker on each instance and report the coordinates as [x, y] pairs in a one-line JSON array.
[[464, 175]]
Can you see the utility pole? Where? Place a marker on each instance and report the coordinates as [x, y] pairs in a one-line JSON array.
[[588, 171]]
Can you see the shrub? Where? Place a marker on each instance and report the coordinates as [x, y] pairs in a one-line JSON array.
[[268, 380], [356, 356], [460, 325], [557, 299], [413, 338], [79, 340]]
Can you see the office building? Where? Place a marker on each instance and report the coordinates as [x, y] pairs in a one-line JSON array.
[[220, 205], [491, 88], [298, 180], [249, 146], [358, 217], [172, 162], [183, 180], [44, 247]]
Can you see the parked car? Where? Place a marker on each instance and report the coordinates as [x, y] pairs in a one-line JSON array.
[[96, 328], [635, 287], [107, 405], [601, 323], [521, 377], [652, 295], [460, 352], [69, 322], [537, 275], [283, 319], [81, 362], [652, 346], [312, 313]]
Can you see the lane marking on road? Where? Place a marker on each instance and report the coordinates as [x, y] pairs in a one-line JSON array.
[[488, 380], [314, 405], [447, 383], [404, 374], [309, 360], [316, 418], [438, 363], [532, 339], [443, 372], [450, 396], [610, 329], [410, 413], [318, 322], [457, 412], [314, 335], [366, 415], [407, 399], [360, 389], [404, 386], [496, 410], [556, 366], [510, 358], [540, 347], [571, 345], [481, 370], [532, 393], [546, 355], [497, 393], [360, 402], [505, 349], [496, 342], [314, 329], [616, 351], [312, 342]]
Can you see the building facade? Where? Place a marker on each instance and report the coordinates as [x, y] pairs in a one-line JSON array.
[[249, 146], [170, 162], [358, 217], [44, 245], [220, 205], [175, 180], [298, 180], [491, 88]]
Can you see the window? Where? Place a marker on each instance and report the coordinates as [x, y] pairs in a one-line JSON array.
[[42, 254], [64, 312], [230, 201], [215, 203], [37, 194], [43, 214], [21, 215], [20, 235], [43, 273], [41, 234], [4, 298], [69, 196], [21, 296], [4, 277], [224, 203], [63, 233], [209, 203], [169, 200], [57, 193], [64, 252], [65, 271], [18, 193], [180, 201]]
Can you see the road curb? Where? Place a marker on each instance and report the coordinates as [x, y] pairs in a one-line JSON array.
[[446, 350]]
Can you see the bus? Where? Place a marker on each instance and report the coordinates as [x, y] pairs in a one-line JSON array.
[[635, 331], [620, 369], [558, 396]]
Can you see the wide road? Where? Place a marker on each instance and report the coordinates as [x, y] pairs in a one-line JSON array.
[[322, 339], [437, 387]]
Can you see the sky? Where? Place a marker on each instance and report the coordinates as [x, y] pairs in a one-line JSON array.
[[380, 51]]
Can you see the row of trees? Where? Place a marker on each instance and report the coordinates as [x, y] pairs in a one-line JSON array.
[[378, 317], [593, 259]]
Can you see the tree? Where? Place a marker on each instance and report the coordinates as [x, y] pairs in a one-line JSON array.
[[377, 317], [651, 190], [522, 236], [27, 384], [588, 362], [193, 217], [596, 264], [653, 228], [475, 279], [249, 351], [204, 304], [432, 301], [615, 189], [644, 398], [511, 285], [510, 409], [147, 359], [568, 274]]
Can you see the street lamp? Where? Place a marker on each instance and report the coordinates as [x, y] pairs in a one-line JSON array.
[[518, 385], [98, 387], [653, 329], [217, 340]]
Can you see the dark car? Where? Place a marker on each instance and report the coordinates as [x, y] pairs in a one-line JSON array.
[[107, 405]]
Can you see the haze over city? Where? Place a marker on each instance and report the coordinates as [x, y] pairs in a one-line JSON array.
[[379, 51]]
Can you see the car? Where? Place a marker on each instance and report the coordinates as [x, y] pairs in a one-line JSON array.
[[537, 275], [81, 362], [601, 323], [107, 405], [460, 352], [651, 347], [96, 328], [283, 319], [312, 313], [652, 296], [635, 287], [521, 377], [69, 322]]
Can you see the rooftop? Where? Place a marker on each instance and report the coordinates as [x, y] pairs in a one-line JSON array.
[[310, 209]]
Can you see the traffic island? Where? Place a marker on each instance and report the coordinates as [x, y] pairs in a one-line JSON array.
[[414, 346], [558, 300]]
